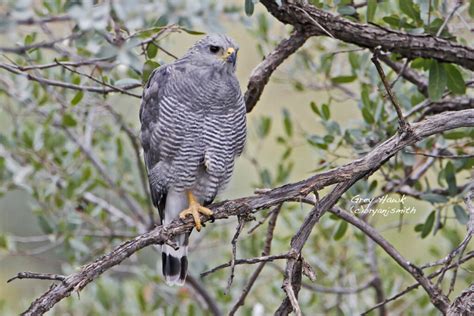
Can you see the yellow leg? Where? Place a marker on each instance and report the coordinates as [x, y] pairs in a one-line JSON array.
[[194, 209]]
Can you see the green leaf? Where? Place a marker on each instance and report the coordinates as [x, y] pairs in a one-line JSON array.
[[76, 79], [86, 173], [249, 7], [151, 50], [428, 226], [118, 143], [419, 228], [326, 113], [78, 97], [346, 10], [287, 123], [328, 139], [148, 68], [29, 39], [192, 32], [433, 198], [365, 97], [421, 63], [3, 242], [455, 135], [371, 8], [455, 80], [471, 8], [69, 120], [317, 141], [392, 20], [263, 128], [287, 153], [341, 230], [45, 225], [450, 176], [367, 115], [410, 9], [437, 80], [461, 214], [344, 79], [315, 109]]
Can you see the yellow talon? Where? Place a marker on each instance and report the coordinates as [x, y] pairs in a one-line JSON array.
[[194, 209]]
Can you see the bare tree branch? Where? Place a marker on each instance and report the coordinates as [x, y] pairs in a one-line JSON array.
[[266, 252], [468, 257], [347, 174], [407, 73], [50, 82], [48, 19], [49, 45], [436, 296], [404, 126], [38, 276], [245, 261], [301, 15], [261, 74]]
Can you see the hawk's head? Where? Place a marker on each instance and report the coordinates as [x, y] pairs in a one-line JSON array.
[[216, 50]]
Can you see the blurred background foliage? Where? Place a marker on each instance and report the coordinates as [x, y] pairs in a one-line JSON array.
[[71, 174]]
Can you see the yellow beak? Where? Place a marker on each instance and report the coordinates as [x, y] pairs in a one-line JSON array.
[[230, 55], [229, 52]]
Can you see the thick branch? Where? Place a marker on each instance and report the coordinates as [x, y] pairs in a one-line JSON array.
[[261, 74], [346, 173], [370, 36]]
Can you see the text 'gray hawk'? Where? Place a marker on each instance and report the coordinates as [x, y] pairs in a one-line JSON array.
[[193, 128]]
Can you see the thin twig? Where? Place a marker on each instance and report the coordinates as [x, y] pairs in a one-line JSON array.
[[436, 296], [404, 126], [262, 221], [468, 257], [245, 261], [448, 18], [238, 230], [49, 45], [266, 251], [400, 73], [38, 276], [315, 22], [101, 62], [440, 156], [43, 20], [101, 82], [50, 82]]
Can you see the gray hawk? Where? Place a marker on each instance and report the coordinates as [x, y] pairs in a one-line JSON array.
[[193, 127]]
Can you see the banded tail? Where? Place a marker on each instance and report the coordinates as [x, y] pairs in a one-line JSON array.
[[175, 262]]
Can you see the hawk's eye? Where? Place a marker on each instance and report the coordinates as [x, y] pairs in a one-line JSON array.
[[214, 49]]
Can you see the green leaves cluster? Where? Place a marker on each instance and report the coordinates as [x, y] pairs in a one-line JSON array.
[[442, 75]]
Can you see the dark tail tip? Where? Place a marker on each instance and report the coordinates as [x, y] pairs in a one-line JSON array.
[[174, 269]]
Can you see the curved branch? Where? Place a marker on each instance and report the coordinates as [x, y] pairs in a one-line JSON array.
[[438, 299], [370, 36], [346, 173], [261, 74]]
